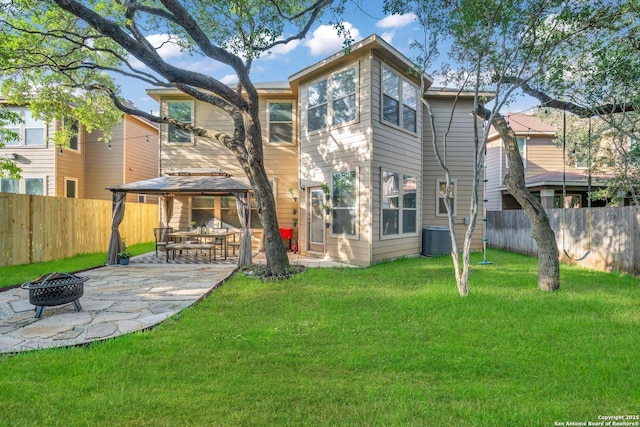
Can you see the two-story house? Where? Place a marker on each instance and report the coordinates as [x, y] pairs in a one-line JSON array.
[[546, 174], [87, 166], [348, 147]]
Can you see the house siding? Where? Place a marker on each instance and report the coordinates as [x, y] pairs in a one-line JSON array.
[[70, 165], [37, 161], [339, 149], [103, 164], [542, 156], [460, 159], [281, 163], [394, 150], [280, 160], [140, 153], [494, 173]]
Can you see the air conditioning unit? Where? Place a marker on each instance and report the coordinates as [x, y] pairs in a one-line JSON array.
[[436, 241]]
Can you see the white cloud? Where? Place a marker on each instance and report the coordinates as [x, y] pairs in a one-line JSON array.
[[229, 79], [388, 36], [166, 46], [396, 21], [281, 49], [325, 39], [203, 66]]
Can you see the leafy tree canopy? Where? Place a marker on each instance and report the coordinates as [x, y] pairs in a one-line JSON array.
[[65, 66]]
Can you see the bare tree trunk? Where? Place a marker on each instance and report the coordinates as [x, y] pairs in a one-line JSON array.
[[275, 252], [548, 262]]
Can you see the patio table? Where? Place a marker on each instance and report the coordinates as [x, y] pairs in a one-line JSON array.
[[179, 238]]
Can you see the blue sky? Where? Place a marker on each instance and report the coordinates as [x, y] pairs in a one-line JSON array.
[[321, 42]]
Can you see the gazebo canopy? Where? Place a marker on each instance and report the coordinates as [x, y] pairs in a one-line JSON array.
[[186, 182]]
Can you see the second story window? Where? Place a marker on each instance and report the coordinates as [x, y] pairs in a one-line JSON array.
[[74, 128], [317, 105], [332, 101], [343, 96], [522, 148], [183, 112], [30, 132], [399, 101], [280, 122]]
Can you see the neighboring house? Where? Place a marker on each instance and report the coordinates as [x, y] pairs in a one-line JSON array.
[[87, 166], [545, 173], [351, 125]]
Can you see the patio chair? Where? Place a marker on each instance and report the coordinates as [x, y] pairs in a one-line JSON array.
[[220, 242], [161, 236], [233, 242]]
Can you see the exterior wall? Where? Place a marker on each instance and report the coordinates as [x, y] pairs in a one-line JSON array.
[[340, 148], [542, 156], [129, 159], [37, 161], [394, 150], [460, 158], [281, 163], [93, 165], [70, 166], [181, 213], [494, 173], [141, 152], [103, 164], [281, 160]]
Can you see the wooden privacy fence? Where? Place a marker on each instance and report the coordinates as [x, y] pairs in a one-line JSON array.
[[39, 228], [615, 235]]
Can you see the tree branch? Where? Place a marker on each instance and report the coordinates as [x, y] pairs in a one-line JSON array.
[[584, 112], [316, 8]]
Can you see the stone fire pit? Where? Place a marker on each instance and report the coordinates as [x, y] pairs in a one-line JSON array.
[[55, 289]]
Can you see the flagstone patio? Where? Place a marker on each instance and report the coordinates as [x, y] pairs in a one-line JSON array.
[[116, 300]]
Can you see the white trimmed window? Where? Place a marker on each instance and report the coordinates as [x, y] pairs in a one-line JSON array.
[[399, 100], [345, 202], [280, 122], [31, 131], [441, 193], [522, 148], [333, 101], [399, 207], [8, 185], [203, 211], [33, 186], [183, 112]]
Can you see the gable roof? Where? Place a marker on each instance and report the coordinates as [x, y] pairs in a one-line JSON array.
[[526, 124], [373, 42]]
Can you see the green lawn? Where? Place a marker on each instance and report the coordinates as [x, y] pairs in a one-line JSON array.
[[16, 274], [389, 345]]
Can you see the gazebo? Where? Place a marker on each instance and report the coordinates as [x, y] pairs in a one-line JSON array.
[[185, 182]]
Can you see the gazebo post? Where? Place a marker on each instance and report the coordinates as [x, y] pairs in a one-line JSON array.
[[118, 215]]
